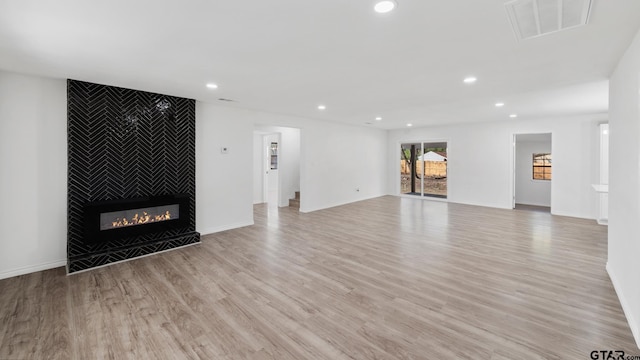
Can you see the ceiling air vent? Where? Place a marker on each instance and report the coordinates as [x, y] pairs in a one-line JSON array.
[[532, 18]]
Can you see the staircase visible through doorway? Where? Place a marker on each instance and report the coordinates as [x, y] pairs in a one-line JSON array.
[[295, 203]]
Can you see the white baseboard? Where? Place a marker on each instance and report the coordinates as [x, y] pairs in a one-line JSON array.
[[32, 268], [308, 210], [625, 306], [473, 203], [426, 198], [571, 215], [226, 227]]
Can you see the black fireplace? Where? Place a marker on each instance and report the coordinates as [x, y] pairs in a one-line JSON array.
[[117, 219], [131, 188]]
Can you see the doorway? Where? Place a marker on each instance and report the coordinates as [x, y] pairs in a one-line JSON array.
[[271, 170], [533, 172], [276, 165], [423, 169]]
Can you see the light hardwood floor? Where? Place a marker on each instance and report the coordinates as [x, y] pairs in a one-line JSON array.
[[388, 278]]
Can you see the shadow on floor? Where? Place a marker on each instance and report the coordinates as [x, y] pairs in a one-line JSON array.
[[544, 209]]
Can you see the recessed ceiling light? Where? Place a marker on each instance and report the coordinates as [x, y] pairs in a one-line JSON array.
[[409, 125], [378, 118], [385, 6], [513, 115], [499, 104], [212, 86], [321, 107], [470, 80]]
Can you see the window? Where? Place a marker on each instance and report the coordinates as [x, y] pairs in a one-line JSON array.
[[274, 156], [541, 166], [423, 169]]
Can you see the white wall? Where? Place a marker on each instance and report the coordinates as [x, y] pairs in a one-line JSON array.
[[258, 168], [341, 164], [480, 161], [224, 185], [529, 191], [289, 164], [33, 168], [330, 170], [33, 174], [624, 184]]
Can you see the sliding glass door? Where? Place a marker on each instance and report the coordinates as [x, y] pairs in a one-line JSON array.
[[423, 169]]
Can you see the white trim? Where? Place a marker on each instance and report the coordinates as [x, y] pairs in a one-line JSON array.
[[513, 165], [571, 215], [303, 210], [32, 268], [398, 181], [625, 306], [216, 229], [420, 197], [492, 206], [129, 259]]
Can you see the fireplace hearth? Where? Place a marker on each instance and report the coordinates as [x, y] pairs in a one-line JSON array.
[[117, 219]]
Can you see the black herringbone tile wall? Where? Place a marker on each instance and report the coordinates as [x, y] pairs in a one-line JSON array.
[[125, 144]]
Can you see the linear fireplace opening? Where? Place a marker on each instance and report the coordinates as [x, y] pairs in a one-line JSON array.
[[134, 217], [117, 219]]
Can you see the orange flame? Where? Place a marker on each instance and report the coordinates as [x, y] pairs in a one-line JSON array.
[[137, 219]]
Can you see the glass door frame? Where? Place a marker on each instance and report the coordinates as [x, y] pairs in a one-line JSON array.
[[421, 149]]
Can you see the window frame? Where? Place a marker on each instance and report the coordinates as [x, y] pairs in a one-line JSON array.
[[544, 164]]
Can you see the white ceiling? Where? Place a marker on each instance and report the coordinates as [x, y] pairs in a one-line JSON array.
[[288, 56]]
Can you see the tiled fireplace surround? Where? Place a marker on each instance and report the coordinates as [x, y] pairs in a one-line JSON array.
[[128, 149]]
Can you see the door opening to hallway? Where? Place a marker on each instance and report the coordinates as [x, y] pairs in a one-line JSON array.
[[276, 167], [532, 175]]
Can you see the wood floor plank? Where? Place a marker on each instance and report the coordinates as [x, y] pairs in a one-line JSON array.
[[387, 278], [23, 319], [55, 332]]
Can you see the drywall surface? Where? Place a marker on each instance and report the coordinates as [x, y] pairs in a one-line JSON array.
[[624, 184], [33, 168], [480, 161]]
